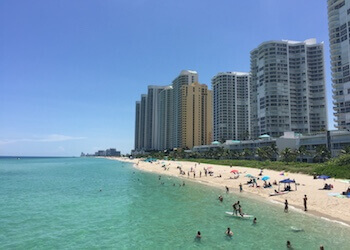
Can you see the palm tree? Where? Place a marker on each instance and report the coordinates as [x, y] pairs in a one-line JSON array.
[[288, 155], [322, 153], [345, 150], [302, 151], [246, 153], [274, 150]]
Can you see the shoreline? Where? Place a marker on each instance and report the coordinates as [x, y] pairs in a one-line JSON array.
[[320, 204]]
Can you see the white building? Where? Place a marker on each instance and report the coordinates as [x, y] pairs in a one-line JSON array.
[[339, 31], [152, 116], [288, 88], [231, 106], [165, 107], [137, 144], [186, 77]]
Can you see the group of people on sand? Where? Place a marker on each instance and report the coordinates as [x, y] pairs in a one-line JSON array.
[[328, 186], [347, 192]]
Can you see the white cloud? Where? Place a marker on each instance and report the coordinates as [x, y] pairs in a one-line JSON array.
[[48, 138]]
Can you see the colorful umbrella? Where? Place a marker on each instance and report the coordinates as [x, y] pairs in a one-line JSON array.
[[265, 178], [209, 167], [249, 176], [234, 171], [324, 177]]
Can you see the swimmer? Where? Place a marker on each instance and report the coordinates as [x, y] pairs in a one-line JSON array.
[[198, 236], [254, 221], [229, 232], [221, 198], [288, 244]]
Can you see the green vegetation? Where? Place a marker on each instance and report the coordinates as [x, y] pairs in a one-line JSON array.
[[266, 157], [337, 167]]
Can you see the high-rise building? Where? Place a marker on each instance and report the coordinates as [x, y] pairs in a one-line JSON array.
[[137, 126], [186, 77], [165, 118], [152, 125], [197, 118], [288, 88], [142, 130], [339, 32], [231, 106]]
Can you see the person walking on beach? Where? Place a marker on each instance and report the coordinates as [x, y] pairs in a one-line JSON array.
[[286, 206], [194, 174], [305, 203], [200, 174], [240, 187], [227, 190]]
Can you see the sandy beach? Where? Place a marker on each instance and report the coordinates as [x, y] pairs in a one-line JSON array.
[[319, 202]]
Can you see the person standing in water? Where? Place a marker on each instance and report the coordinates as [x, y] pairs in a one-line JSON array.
[[198, 236], [240, 187], [254, 221], [229, 232], [227, 190], [305, 203], [286, 206]]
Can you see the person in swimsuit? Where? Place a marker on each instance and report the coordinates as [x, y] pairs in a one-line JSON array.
[[229, 232]]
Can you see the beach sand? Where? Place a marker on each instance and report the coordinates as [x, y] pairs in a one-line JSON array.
[[319, 202]]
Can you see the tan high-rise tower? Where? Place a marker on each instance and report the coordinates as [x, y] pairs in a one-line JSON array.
[[197, 115]]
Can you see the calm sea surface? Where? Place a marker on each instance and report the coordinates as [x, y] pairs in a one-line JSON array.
[[56, 203]]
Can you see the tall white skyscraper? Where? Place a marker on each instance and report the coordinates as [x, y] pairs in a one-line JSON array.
[[288, 88], [142, 127], [152, 116], [137, 125], [186, 77], [231, 106], [165, 118], [339, 32]]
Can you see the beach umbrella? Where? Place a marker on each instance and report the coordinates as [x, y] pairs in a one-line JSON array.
[[265, 178], [249, 176], [234, 171], [345, 181], [209, 167], [324, 177]]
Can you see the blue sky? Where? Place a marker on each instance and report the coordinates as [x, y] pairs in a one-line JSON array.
[[71, 71]]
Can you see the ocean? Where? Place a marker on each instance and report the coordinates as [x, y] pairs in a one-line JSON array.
[[89, 203]]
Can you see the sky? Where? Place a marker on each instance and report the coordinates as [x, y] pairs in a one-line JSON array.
[[71, 71]]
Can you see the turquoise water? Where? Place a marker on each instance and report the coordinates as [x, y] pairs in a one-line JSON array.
[[56, 203]]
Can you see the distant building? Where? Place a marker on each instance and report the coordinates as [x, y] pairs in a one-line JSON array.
[[152, 117], [137, 143], [112, 152], [231, 106], [142, 128], [339, 33], [196, 115], [288, 88], [334, 141], [100, 153], [165, 118], [186, 77]]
